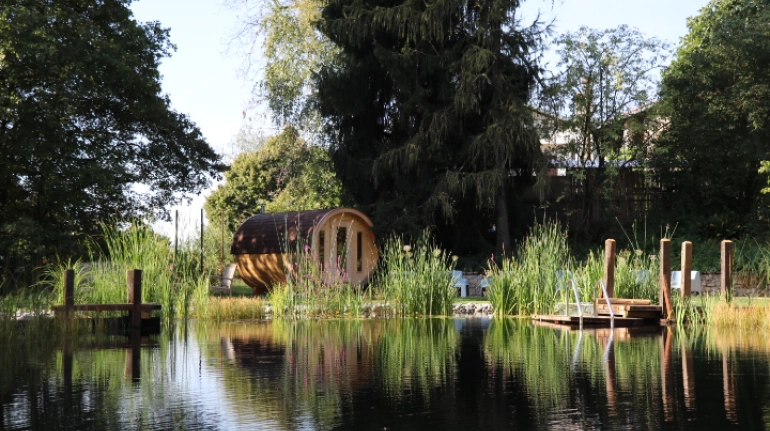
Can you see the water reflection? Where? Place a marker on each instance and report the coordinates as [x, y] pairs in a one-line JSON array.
[[395, 374]]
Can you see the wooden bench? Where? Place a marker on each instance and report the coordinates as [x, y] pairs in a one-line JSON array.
[[135, 308]]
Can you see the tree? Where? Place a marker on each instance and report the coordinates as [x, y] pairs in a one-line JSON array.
[[283, 173], [292, 51], [425, 111], [85, 134], [605, 80], [716, 95]]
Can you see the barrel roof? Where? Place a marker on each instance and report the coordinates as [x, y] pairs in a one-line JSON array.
[[279, 232]]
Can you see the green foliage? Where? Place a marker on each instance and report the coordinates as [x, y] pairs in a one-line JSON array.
[[417, 280], [312, 290], [605, 82], [636, 275], [529, 284], [82, 123], [425, 110], [715, 96], [175, 282], [283, 173], [293, 50]]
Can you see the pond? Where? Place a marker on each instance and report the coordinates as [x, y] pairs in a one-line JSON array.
[[410, 374]]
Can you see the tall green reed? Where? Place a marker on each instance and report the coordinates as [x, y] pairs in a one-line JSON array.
[[636, 275], [313, 290], [529, 283], [417, 280], [170, 279]]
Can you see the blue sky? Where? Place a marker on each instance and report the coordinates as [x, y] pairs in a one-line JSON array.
[[204, 81]]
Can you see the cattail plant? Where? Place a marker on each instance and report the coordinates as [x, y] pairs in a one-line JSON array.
[[417, 280]]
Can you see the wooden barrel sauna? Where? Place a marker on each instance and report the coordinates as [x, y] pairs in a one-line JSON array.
[[339, 239]]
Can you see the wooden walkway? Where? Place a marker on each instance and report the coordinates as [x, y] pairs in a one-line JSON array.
[[138, 313], [628, 312]]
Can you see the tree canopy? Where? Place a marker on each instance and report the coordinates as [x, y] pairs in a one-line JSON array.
[[85, 133], [603, 95], [716, 95], [425, 111], [283, 173], [292, 51]]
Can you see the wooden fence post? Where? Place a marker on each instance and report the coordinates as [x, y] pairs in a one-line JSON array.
[[69, 291], [134, 284], [665, 278], [609, 266], [686, 269], [727, 270]]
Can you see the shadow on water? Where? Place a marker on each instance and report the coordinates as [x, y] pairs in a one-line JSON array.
[[455, 374]]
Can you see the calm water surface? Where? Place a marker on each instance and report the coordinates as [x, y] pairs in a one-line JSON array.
[[414, 374]]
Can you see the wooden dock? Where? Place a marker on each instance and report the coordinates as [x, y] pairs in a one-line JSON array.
[[139, 314], [628, 312]]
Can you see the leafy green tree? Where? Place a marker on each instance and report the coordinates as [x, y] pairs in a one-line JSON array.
[[716, 95], [85, 133], [605, 85], [425, 110], [283, 173], [292, 51]]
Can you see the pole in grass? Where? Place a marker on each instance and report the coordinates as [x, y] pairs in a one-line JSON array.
[[686, 268], [134, 285], [609, 266], [726, 278], [69, 292], [665, 278]]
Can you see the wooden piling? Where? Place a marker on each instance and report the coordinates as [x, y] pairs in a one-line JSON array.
[[134, 284], [665, 278], [727, 270], [686, 269], [69, 291], [609, 266]]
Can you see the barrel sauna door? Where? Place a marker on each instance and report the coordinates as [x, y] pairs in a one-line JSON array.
[[342, 249]]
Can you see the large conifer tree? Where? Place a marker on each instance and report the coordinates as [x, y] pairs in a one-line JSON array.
[[426, 113]]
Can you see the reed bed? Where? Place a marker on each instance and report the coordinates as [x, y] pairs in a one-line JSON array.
[[315, 291], [224, 309], [530, 283], [721, 314], [416, 280], [172, 280]]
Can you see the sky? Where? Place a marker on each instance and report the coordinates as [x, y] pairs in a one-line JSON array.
[[204, 78]]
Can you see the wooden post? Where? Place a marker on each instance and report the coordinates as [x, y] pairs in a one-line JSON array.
[[665, 278], [134, 284], [69, 291], [609, 266], [686, 269], [727, 270]]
